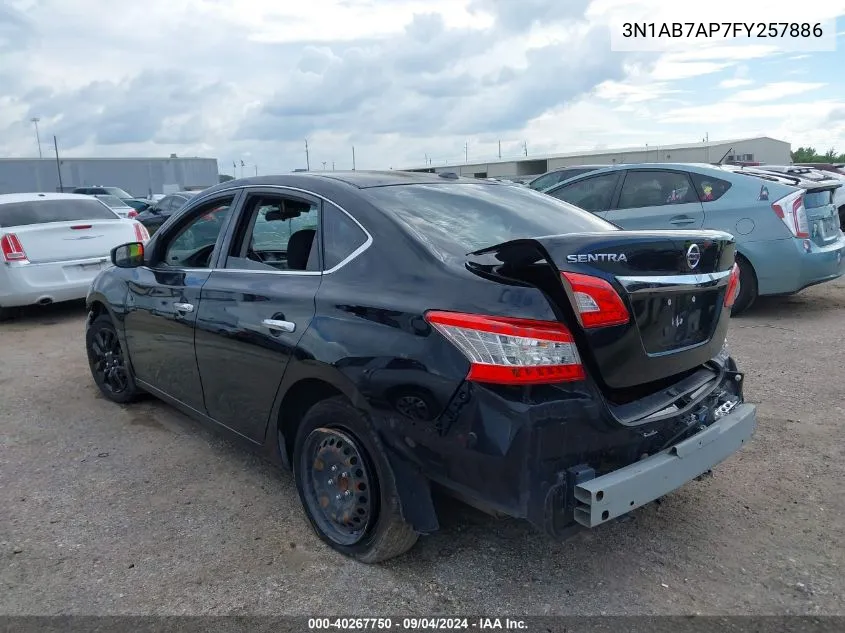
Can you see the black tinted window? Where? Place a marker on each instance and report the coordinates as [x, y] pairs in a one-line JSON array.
[[544, 182], [467, 217], [341, 236], [44, 211], [592, 194], [709, 188], [654, 188], [193, 244]]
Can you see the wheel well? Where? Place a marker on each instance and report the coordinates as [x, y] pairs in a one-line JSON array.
[[748, 262], [296, 403], [97, 308]]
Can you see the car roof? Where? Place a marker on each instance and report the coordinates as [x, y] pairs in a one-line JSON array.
[[358, 179], [7, 198]]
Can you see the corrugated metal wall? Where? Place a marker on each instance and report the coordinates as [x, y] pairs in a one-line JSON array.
[[140, 177]]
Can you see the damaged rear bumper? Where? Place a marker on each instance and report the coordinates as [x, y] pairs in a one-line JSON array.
[[601, 499]]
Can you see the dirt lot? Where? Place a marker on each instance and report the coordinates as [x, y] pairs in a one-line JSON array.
[[139, 510]]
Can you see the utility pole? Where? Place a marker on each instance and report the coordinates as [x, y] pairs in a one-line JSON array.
[[353, 158], [500, 148], [324, 165], [332, 165], [525, 147], [58, 164], [35, 121], [256, 170], [307, 157], [466, 152]]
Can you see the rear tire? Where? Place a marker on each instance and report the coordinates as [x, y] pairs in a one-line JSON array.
[[108, 363], [346, 485], [747, 287]]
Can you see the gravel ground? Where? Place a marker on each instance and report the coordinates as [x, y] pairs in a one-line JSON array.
[[139, 510]]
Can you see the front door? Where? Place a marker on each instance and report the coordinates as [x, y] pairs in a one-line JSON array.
[[256, 306], [657, 199], [164, 300]]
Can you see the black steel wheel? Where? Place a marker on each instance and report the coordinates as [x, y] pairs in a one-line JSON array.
[[346, 485], [108, 363], [341, 495]]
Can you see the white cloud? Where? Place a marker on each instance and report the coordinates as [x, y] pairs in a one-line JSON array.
[[775, 91], [401, 79]]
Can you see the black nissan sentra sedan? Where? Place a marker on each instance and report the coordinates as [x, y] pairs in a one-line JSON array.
[[382, 333]]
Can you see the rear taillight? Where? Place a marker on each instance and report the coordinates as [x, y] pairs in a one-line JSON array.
[[141, 233], [12, 249], [596, 302], [790, 209], [510, 351], [732, 291], [132, 214]]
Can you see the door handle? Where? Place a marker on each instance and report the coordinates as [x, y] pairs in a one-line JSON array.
[[282, 326], [183, 307], [682, 219]]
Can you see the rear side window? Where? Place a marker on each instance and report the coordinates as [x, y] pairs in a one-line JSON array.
[[709, 188], [45, 211], [592, 194], [341, 236], [816, 199], [465, 217]]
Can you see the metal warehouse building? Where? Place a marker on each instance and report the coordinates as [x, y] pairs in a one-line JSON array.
[[760, 149], [139, 176]]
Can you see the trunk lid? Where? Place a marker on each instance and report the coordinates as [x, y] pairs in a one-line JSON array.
[[672, 284], [822, 216], [64, 241]]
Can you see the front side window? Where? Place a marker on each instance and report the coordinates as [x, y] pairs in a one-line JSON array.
[[591, 194], [654, 188], [280, 234], [193, 244]]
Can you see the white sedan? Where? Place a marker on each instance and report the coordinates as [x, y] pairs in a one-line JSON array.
[[52, 245]]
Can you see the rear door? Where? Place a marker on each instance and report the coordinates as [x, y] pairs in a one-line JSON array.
[[657, 199], [822, 215], [257, 304], [164, 299], [594, 194]]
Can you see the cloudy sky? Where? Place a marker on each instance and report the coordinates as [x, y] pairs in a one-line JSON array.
[[401, 80]]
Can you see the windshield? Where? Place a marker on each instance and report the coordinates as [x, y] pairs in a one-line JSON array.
[[44, 211], [467, 217], [113, 202], [117, 192]]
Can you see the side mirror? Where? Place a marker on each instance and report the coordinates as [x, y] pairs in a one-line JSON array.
[[128, 255]]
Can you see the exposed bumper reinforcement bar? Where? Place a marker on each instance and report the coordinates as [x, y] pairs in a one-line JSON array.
[[611, 495]]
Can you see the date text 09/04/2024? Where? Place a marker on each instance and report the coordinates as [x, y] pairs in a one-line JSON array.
[[416, 624], [722, 29]]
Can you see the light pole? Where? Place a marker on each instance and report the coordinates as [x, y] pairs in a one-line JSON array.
[[35, 121]]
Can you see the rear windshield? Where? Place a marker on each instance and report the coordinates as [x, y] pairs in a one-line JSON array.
[[112, 201], [44, 211], [816, 199], [467, 217], [117, 192]]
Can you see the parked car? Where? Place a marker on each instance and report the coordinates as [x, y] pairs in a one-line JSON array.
[[128, 200], [548, 367], [53, 245], [817, 175], [156, 214], [551, 178], [787, 233], [118, 206]]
